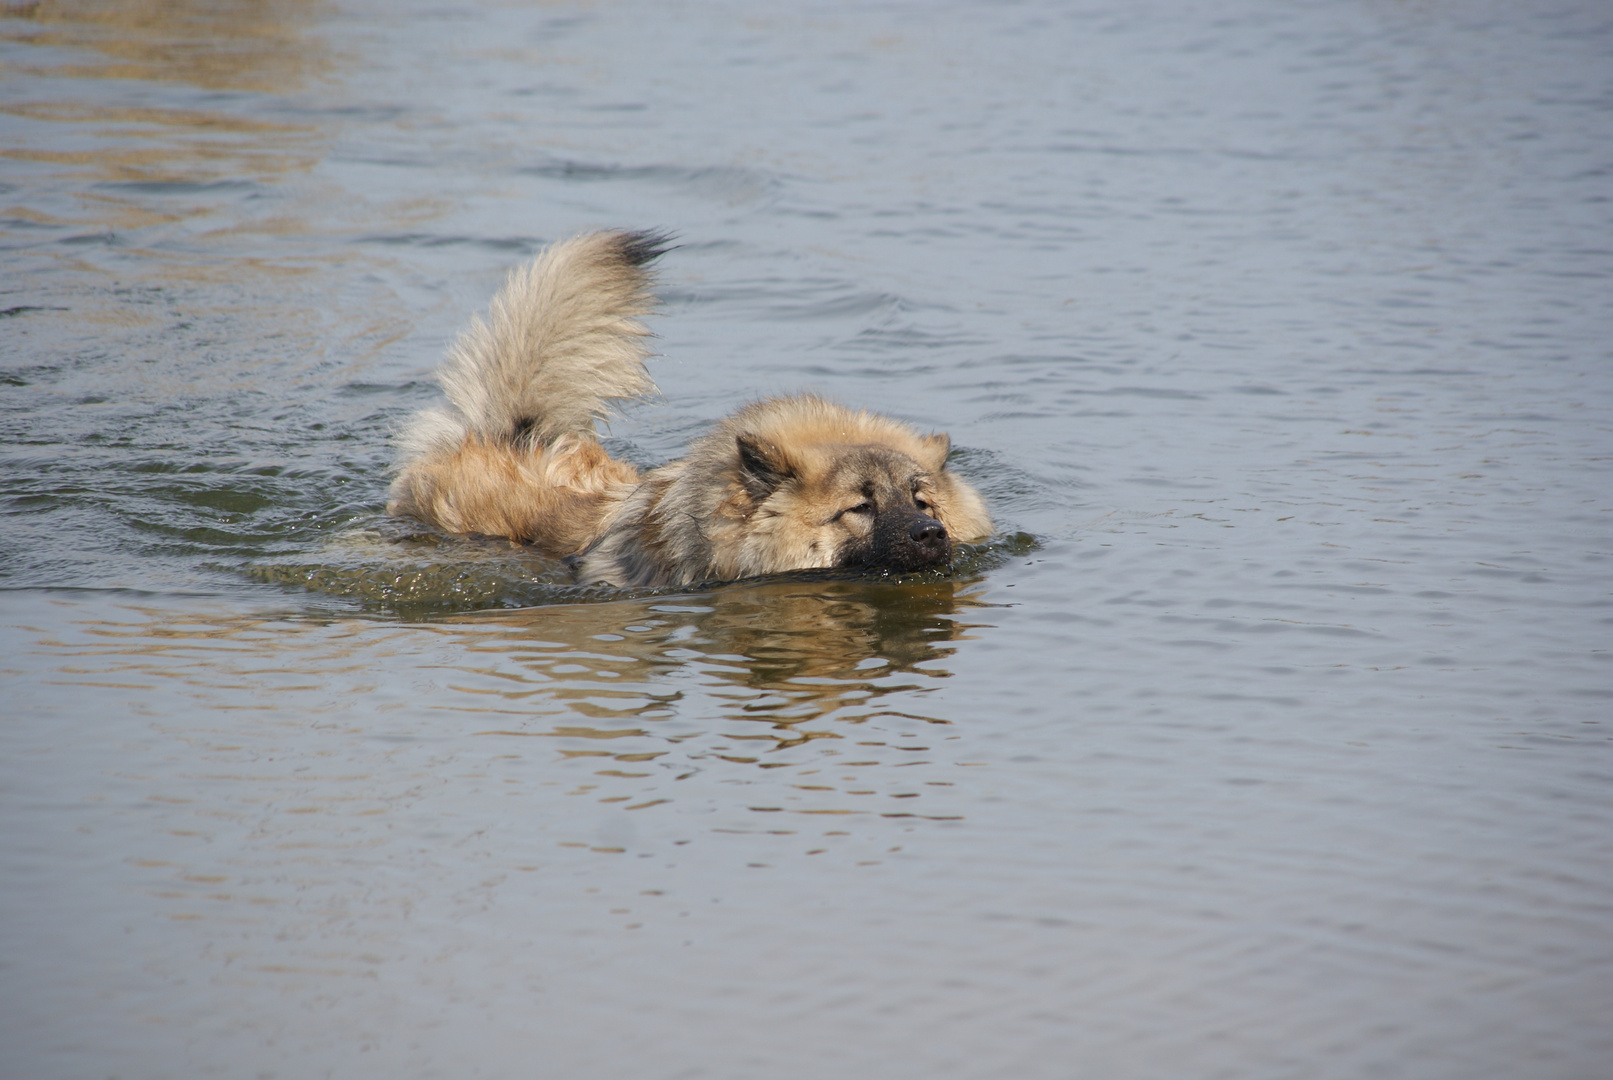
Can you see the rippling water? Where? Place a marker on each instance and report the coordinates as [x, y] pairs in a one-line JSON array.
[[1270, 738]]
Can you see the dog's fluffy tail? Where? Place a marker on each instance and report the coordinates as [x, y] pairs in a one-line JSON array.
[[560, 343], [515, 452]]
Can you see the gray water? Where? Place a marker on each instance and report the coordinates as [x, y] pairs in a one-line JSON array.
[[1271, 737]]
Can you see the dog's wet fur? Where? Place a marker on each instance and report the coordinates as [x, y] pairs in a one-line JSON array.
[[789, 483]]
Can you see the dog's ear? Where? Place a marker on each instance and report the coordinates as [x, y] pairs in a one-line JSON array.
[[936, 449], [762, 466]]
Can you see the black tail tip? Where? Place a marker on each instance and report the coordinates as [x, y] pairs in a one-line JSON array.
[[645, 245]]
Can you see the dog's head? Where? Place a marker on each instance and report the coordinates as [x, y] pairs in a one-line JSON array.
[[829, 504]]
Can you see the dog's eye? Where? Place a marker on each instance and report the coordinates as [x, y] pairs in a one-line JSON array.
[[922, 503], [861, 508]]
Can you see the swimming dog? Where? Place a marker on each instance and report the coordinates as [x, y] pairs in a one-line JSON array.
[[788, 483]]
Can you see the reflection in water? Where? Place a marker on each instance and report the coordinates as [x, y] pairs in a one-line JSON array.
[[102, 152], [780, 697], [794, 637], [824, 679], [228, 45]]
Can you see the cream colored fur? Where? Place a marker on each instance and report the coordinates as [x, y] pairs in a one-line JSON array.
[[784, 484]]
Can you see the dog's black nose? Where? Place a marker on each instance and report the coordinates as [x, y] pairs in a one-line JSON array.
[[927, 532]]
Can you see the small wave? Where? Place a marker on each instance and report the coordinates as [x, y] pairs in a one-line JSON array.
[[418, 574], [729, 184]]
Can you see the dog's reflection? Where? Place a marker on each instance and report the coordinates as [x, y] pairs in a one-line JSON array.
[[808, 640], [830, 681]]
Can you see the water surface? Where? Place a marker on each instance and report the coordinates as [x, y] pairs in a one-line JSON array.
[[1269, 738]]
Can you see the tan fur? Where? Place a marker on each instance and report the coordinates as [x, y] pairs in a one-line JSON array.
[[698, 520], [785, 484], [553, 497]]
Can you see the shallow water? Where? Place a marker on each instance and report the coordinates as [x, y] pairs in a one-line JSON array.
[[1270, 738]]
